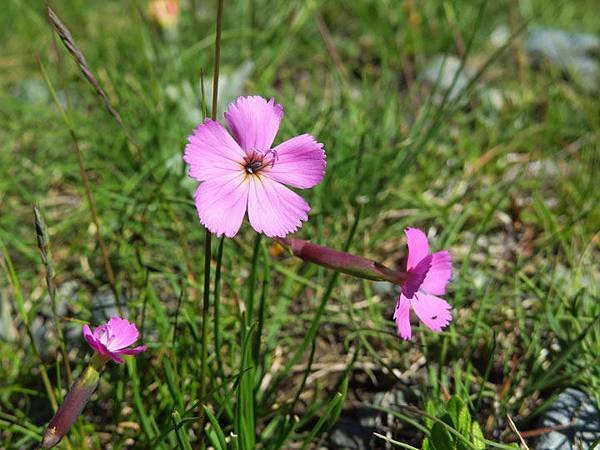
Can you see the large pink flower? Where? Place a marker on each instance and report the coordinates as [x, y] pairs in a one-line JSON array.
[[244, 172], [112, 339], [428, 275]]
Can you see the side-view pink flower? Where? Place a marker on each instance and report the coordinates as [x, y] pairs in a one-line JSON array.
[[428, 276], [245, 173], [112, 339]]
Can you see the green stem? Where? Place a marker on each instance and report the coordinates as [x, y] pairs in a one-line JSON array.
[[44, 247], [261, 306], [88, 193], [217, 307], [207, 240], [217, 59], [252, 280], [20, 306], [205, 311]]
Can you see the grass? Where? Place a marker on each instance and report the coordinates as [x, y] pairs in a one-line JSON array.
[[509, 188]]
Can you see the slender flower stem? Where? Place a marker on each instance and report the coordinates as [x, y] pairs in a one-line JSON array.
[[205, 311], [43, 245], [261, 306], [88, 192], [347, 263], [207, 240], [215, 90], [252, 280], [20, 306], [217, 307], [103, 249]]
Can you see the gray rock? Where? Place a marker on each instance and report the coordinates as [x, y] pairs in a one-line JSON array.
[[576, 407], [175, 165], [500, 36], [32, 91], [7, 327], [576, 54], [231, 86], [42, 327], [35, 92], [383, 288], [104, 306], [442, 70], [354, 430], [350, 432]]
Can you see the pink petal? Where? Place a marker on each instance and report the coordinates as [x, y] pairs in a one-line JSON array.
[[116, 358], [132, 351], [439, 274], [416, 276], [418, 247], [299, 162], [211, 152], [433, 311], [221, 203], [254, 122], [273, 209], [87, 333], [402, 317], [93, 342], [124, 333]]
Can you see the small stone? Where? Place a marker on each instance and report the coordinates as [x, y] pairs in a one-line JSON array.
[[494, 98], [383, 288], [104, 306], [42, 327], [442, 71], [7, 327], [576, 407], [231, 85], [500, 36], [354, 430], [32, 91], [572, 53]]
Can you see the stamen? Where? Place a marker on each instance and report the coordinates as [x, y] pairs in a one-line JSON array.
[[274, 158], [256, 160]]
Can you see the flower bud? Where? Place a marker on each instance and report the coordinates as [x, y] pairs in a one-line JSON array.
[[74, 402], [342, 262]]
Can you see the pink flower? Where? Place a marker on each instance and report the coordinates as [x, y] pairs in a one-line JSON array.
[[243, 173], [110, 340], [428, 275], [165, 13]]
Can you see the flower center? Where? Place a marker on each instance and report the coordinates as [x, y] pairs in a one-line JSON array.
[[105, 335], [255, 161]]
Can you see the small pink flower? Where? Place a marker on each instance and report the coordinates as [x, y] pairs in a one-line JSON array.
[[428, 275], [110, 340], [244, 173], [165, 13]]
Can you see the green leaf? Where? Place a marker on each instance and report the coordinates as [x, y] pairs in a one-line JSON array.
[[218, 437], [440, 438], [183, 439], [426, 445], [477, 436], [459, 413], [431, 410]]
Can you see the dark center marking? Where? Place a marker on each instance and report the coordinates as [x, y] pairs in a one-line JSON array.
[[255, 161]]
